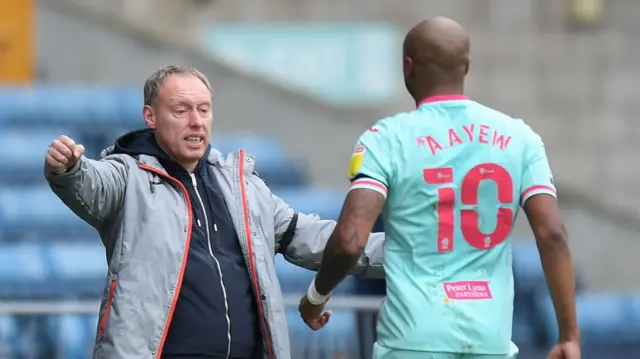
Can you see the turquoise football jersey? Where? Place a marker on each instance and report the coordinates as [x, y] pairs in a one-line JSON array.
[[454, 174]]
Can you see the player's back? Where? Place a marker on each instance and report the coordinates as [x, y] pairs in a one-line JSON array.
[[455, 185]]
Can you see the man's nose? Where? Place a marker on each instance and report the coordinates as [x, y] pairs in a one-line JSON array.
[[195, 118]]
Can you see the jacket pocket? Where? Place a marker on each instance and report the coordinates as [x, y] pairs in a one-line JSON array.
[[107, 309]]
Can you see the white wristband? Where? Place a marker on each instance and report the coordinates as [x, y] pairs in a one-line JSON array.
[[314, 297]]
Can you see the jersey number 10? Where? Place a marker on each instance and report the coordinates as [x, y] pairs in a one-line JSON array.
[[469, 218]]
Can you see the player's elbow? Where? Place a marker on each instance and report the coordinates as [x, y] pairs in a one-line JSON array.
[[349, 243], [351, 250], [551, 237], [353, 253]]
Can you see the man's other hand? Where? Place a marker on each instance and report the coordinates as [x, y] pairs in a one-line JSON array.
[[62, 155], [313, 314]]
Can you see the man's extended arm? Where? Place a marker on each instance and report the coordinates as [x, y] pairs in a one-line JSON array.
[[302, 238], [92, 189]]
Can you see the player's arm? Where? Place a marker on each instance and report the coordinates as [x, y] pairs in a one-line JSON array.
[[302, 238], [538, 198], [349, 238], [370, 173]]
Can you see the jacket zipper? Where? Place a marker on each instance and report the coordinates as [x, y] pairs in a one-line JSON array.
[[252, 265], [224, 290]]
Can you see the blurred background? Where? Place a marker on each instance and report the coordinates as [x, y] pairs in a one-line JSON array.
[[295, 83]]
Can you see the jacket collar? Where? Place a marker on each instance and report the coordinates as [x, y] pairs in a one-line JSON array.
[[215, 158]]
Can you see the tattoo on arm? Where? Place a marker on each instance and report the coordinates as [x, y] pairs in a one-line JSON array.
[[348, 240]]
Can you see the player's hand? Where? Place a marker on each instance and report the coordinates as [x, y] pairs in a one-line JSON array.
[[314, 315], [62, 155], [565, 350]]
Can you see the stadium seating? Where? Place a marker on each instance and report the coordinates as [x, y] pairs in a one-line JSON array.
[[26, 149], [52, 270], [12, 343], [341, 333], [74, 335], [28, 212], [604, 318], [530, 284], [283, 173], [85, 108], [78, 270], [23, 272], [32, 117], [264, 149], [324, 202], [340, 336], [522, 331], [527, 269], [272, 164]]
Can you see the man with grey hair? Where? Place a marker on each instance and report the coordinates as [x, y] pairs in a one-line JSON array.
[[190, 234]]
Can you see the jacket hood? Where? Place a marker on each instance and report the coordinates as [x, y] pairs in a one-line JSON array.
[[143, 142]]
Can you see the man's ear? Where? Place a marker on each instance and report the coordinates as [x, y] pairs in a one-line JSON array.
[[149, 116]]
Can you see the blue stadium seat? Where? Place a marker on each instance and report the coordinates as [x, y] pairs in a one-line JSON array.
[[284, 173], [27, 212], [74, 335], [530, 284], [603, 318], [13, 343], [79, 107], [23, 271], [27, 149], [325, 202], [264, 149], [339, 337], [273, 165], [523, 333], [78, 270], [527, 269], [294, 279]]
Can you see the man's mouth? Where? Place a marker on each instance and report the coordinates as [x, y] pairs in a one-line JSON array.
[[194, 139]]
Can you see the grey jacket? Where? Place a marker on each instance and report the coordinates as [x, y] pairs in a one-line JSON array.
[[143, 217]]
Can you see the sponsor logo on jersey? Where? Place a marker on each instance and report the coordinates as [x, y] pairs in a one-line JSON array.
[[356, 160], [468, 290]]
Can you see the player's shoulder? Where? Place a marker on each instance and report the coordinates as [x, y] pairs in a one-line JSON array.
[[384, 129], [390, 123]]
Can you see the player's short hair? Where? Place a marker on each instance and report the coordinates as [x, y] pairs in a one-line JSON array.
[[153, 83]]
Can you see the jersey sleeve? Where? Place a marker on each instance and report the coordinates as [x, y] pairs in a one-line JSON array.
[[370, 165], [537, 177]]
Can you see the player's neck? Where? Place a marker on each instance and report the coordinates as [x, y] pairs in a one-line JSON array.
[[442, 90]]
